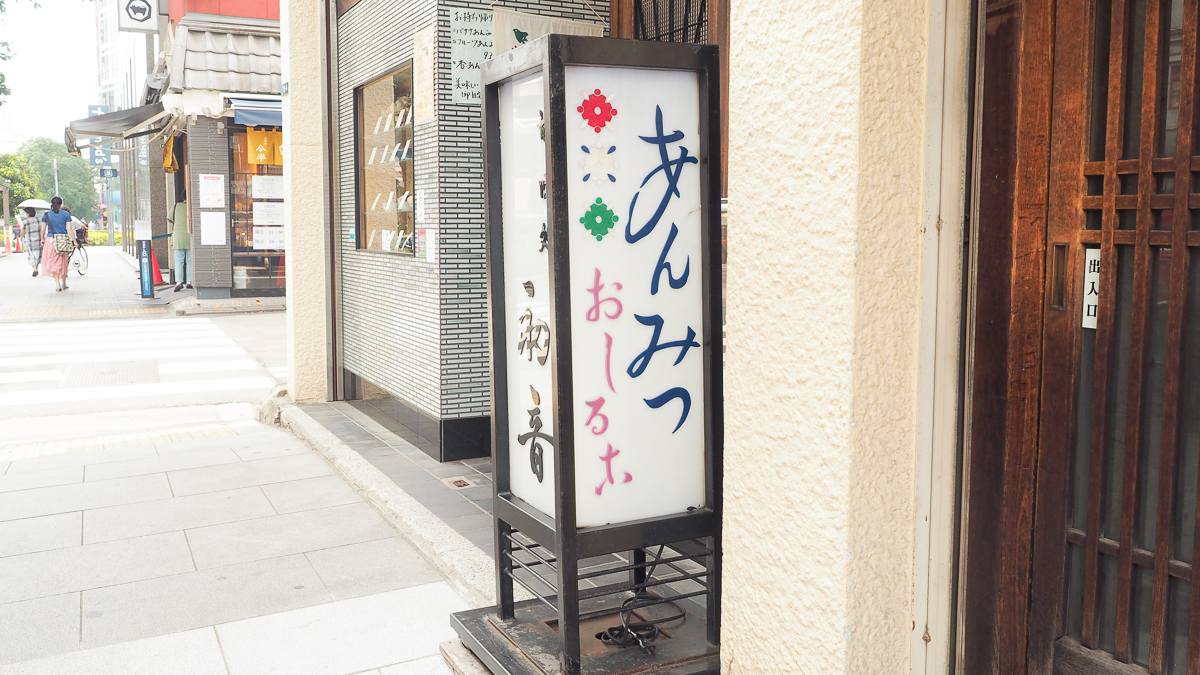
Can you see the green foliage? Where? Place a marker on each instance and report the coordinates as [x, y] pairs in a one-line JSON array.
[[75, 176], [100, 238], [22, 178]]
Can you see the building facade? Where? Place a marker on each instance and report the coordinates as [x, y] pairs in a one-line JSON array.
[[960, 361]]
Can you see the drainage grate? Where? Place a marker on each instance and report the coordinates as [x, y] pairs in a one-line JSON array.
[[110, 373], [458, 483]]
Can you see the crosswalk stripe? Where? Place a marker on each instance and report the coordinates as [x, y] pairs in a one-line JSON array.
[[40, 396], [116, 338], [90, 348], [101, 326], [122, 356], [20, 451], [31, 376], [206, 366]]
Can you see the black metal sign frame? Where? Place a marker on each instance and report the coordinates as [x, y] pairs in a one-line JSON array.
[[563, 540]]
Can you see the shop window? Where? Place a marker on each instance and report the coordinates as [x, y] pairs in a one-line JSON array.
[[257, 208], [384, 134]]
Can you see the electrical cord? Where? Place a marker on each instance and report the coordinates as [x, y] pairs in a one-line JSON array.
[[641, 633]]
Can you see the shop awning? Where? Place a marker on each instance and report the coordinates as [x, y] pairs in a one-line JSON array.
[[120, 124], [257, 112]]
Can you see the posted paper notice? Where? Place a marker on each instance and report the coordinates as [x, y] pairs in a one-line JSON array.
[[212, 228]]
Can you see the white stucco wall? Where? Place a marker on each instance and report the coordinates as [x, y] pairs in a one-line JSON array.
[[827, 124], [304, 213]]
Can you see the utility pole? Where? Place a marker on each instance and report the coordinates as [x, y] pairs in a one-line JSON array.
[[56, 192]]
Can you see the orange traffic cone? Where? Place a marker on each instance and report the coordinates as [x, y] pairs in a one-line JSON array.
[[158, 280], [20, 248]]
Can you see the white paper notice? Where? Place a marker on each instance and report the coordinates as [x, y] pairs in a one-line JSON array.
[[470, 44], [268, 238], [212, 228], [141, 229], [1091, 286], [212, 191], [266, 187], [420, 206], [268, 213]]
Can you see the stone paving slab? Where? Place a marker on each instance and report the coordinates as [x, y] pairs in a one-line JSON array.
[[44, 533], [195, 652], [242, 474], [39, 627], [174, 514], [66, 498]]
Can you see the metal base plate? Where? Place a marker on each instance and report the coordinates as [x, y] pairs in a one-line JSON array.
[[528, 643]]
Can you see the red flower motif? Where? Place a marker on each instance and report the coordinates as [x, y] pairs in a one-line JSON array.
[[597, 111]]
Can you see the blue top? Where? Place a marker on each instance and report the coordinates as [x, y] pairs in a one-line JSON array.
[[58, 221]]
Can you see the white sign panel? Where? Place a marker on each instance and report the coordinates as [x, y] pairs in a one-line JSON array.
[[470, 44], [138, 16], [141, 230], [267, 213], [1091, 286], [513, 29], [268, 238], [266, 187], [633, 185], [212, 228], [212, 191], [527, 294]]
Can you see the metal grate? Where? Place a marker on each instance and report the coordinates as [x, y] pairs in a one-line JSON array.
[[671, 20]]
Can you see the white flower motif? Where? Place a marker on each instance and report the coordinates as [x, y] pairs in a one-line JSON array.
[[599, 163]]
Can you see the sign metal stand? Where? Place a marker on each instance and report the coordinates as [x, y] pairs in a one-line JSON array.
[[656, 514]]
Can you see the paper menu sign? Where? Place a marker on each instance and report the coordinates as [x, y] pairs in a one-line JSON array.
[[267, 213], [141, 229], [212, 228], [212, 191], [470, 44], [266, 187], [268, 238]]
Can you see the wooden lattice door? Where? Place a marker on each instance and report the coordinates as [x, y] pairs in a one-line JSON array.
[[1115, 584]]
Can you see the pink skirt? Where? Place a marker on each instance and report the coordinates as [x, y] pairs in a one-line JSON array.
[[53, 264]]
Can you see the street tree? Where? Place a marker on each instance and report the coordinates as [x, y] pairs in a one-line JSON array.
[[22, 179], [76, 178]]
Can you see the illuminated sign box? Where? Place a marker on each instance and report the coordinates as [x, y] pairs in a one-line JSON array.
[[603, 193]]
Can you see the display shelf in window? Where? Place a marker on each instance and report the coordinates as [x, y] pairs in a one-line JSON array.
[[384, 157]]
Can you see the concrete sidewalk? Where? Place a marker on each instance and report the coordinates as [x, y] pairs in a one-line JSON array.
[[202, 541]]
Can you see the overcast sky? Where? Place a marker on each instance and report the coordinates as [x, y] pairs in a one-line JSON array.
[[53, 74]]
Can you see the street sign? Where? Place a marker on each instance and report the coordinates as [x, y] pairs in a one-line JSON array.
[[138, 16], [94, 110], [108, 173], [145, 269], [101, 157]]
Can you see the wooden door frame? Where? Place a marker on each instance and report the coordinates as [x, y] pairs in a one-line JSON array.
[[1004, 332]]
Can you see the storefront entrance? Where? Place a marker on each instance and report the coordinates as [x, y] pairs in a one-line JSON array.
[[1083, 412]]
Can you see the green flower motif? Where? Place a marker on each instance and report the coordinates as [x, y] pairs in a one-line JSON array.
[[599, 219]]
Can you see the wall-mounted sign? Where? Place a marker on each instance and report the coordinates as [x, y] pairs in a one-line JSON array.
[[108, 173], [212, 190], [267, 187], [138, 16], [267, 213], [512, 29], [212, 228], [470, 44], [268, 238], [1091, 286]]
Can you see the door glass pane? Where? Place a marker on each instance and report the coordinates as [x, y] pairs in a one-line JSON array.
[[1143, 601], [1107, 604], [1083, 429], [1168, 86], [1100, 49], [1135, 58], [1180, 592], [1074, 626], [1118, 401], [1189, 431], [1154, 373]]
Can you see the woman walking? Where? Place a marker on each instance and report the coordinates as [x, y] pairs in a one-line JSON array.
[[57, 244], [31, 236]]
